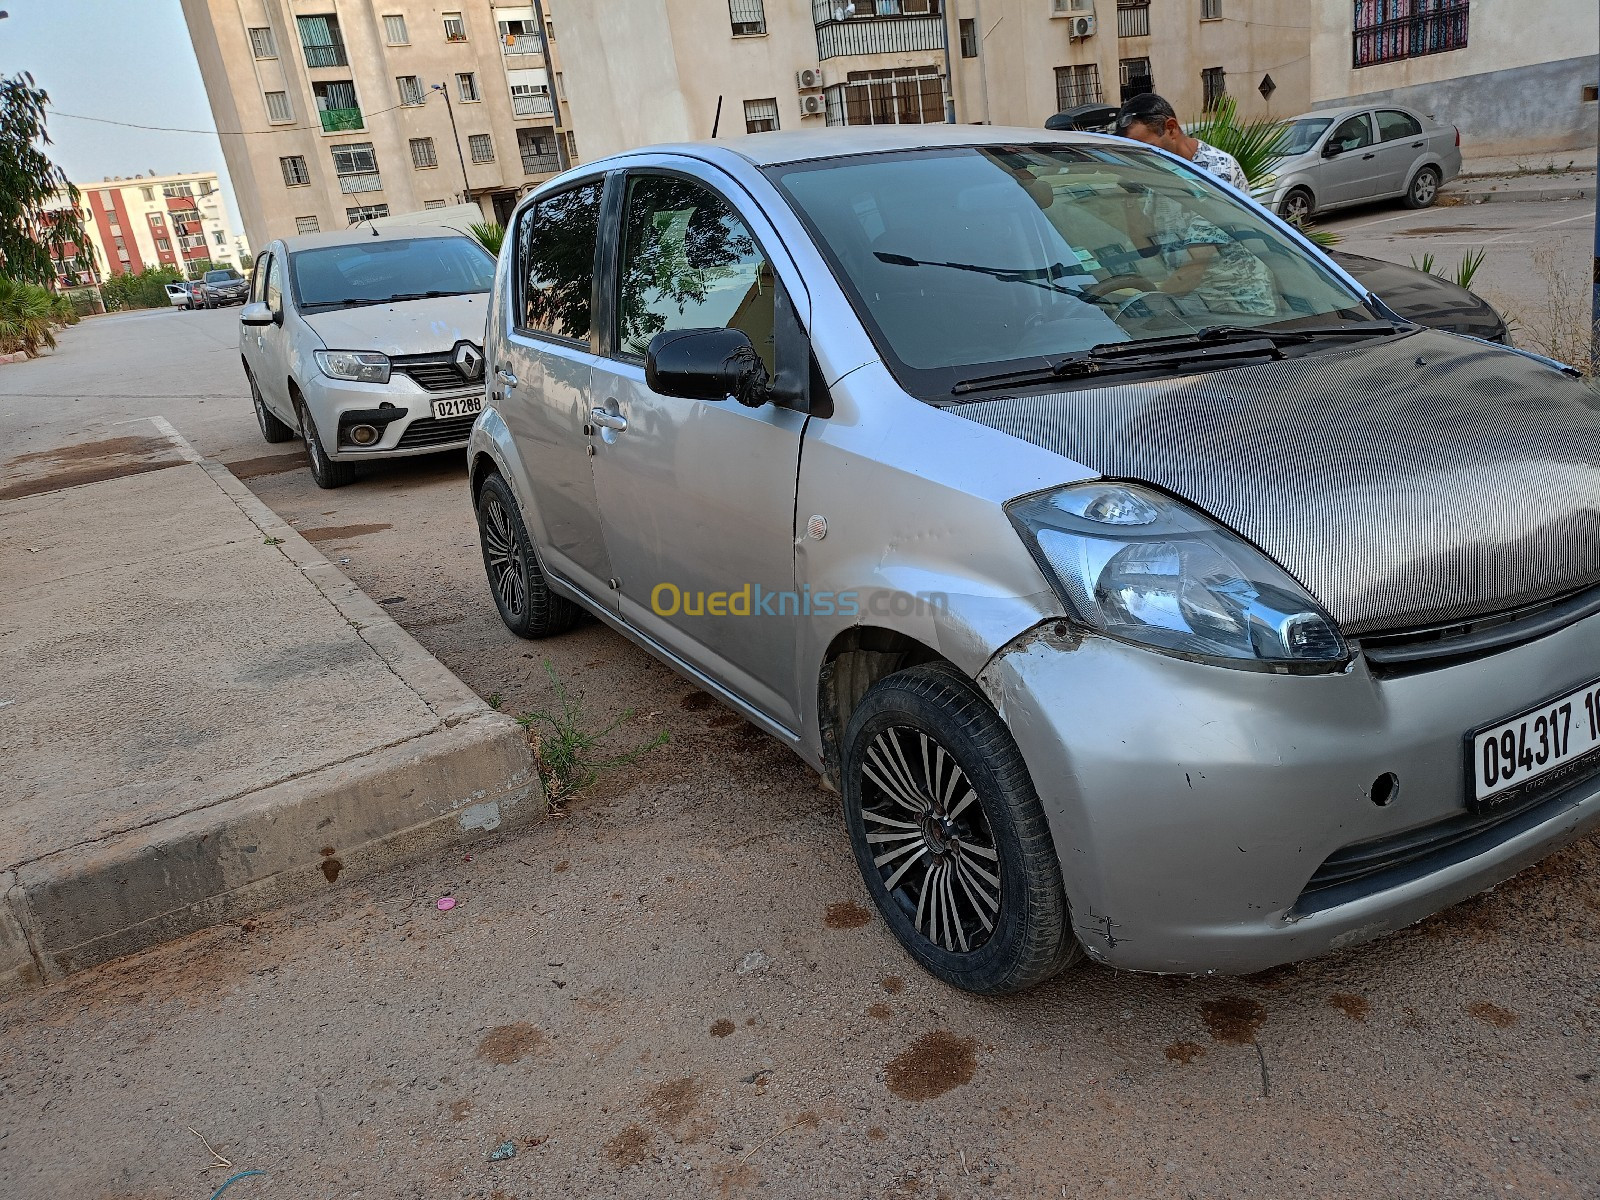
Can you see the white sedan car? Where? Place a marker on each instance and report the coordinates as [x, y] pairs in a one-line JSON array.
[[367, 343]]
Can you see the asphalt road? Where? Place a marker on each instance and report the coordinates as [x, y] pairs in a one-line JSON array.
[[676, 987]]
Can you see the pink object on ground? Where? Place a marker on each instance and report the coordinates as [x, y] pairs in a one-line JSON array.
[[446, 903]]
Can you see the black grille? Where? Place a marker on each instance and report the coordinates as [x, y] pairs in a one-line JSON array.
[[1443, 645], [436, 431], [435, 372]]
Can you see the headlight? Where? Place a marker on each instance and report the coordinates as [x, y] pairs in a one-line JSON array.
[[360, 366], [1135, 564]]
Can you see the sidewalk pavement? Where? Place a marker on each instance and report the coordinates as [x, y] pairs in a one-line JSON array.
[[1565, 175], [201, 718]]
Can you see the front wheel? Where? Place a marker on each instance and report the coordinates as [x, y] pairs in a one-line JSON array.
[[272, 429], [1296, 208], [950, 836], [516, 579], [1424, 189], [325, 472]]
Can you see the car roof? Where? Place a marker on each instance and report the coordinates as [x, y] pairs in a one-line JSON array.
[[1350, 110], [364, 232], [791, 146]]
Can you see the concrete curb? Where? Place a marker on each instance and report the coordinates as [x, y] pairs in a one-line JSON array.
[[1516, 195], [469, 776]]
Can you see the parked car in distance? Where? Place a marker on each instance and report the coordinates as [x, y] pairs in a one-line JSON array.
[[1356, 155], [368, 343], [226, 286], [1184, 609], [180, 295]]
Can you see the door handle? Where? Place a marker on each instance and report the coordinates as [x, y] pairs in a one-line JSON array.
[[505, 377], [607, 419], [1418, 145], [1369, 156]]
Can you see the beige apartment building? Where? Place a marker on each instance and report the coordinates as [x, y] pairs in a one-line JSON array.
[[335, 111], [144, 221]]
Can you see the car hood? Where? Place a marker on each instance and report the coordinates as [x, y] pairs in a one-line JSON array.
[[1424, 298], [410, 327], [1425, 478]]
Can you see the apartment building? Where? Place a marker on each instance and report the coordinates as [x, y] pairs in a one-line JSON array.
[[1516, 79], [335, 111], [133, 224]]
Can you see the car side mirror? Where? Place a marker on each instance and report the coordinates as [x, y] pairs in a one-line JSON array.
[[256, 313], [707, 364], [1333, 150]]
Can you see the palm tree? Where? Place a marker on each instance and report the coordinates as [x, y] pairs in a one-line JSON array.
[[491, 234], [1257, 145]]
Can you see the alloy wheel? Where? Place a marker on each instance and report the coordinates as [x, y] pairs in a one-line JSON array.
[[504, 558], [1424, 189], [931, 840]]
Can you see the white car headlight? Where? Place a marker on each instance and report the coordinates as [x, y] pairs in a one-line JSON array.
[[1135, 564], [359, 366]]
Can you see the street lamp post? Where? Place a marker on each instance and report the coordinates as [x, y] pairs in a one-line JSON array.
[[466, 184]]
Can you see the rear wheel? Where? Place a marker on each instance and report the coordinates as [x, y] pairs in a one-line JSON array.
[[325, 472], [516, 579], [1297, 207], [1424, 189], [950, 836], [272, 429]]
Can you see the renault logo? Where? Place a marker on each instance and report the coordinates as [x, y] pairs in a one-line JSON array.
[[469, 361]]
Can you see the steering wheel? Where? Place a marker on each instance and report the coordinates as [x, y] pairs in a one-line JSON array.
[[1106, 286]]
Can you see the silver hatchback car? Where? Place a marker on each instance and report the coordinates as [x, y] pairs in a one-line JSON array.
[[1144, 587], [1357, 155]]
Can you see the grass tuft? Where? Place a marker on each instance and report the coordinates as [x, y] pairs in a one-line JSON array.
[[567, 746]]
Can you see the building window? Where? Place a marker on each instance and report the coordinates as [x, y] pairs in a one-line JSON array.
[[218, 236], [455, 29], [357, 168], [749, 17], [307, 225], [366, 212], [467, 86], [481, 147], [969, 38], [538, 151], [161, 244], [433, 204], [1133, 18], [760, 116], [278, 110], [1077, 85], [410, 89], [337, 106], [262, 43], [1213, 85], [1388, 30], [322, 41], [394, 32], [148, 193], [155, 221], [1135, 77], [295, 173], [1211, 10], [905, 96], [422, 154], [520, 37], [173, 190], [530, 100], [121, 245]]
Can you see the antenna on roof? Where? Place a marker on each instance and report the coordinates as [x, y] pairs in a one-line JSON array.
[[717, 120]]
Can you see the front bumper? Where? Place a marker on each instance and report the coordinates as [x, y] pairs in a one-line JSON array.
[[415, 431], [1192, 805]]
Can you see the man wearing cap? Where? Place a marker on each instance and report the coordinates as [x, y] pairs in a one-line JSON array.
[[1151, 119]]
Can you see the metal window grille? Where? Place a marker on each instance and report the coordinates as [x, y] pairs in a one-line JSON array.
[[410, 89], [366, 212], [760, 116], [423, 155], [1077, 85], [906, 96], [969, 38], [1133, 18], [530, 100], [278, 107], [481, 147], [467, 85], [426, 204], [394, 30], [538, 151], [1213, 85], [1211, 10], [307, 225], [1135, 77], [1389, 30], [295, 173], [748, 17], [322, 42], [357, 168], [455, 29], [262, 43]]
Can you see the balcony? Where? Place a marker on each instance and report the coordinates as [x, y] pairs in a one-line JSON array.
[[327, 56], [340, 120], [369, 181], [521, 43], [531, 106], [540, 164], [890, 32]]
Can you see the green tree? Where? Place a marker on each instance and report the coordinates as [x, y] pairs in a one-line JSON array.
[[32, 230], [491, 234]]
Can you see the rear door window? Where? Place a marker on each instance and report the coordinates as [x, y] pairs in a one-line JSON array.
[[555, 263], [1394, 125]]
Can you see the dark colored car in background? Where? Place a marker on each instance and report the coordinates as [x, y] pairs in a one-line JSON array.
[[226, 287]]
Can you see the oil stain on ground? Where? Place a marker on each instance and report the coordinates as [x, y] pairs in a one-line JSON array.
[[721, 1027], [42, 471], [267, 464], [846, 914], [340, 533], [1233, 1019], [629, 1148], [1354, 1007], [506, 1044], [674, 1100], [1493, 1014], [1184, 1052], [932, 1065], [696, 702]]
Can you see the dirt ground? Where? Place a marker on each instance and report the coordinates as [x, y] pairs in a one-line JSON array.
[[677, 986]]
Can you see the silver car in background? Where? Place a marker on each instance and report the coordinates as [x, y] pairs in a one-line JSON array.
[[1144, 586], [367, 343], [1355, 155]]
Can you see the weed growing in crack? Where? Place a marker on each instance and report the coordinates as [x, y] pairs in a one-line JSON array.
[[567, 747]]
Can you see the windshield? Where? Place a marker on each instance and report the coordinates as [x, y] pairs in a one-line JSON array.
[[970, 257], [223, 277], [383, 270], [1302, 135]]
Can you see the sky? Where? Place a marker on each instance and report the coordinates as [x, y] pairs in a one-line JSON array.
[[117, 60]]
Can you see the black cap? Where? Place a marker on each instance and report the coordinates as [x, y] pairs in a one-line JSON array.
[[1148, 109]]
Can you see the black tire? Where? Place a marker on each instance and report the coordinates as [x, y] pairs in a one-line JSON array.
[[1002, 932], [1298, 206], [325, 472], [516, 579], [272, 429], [1424, 189]]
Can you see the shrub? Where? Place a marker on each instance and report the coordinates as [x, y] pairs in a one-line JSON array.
[[27, 312], [147, 289]]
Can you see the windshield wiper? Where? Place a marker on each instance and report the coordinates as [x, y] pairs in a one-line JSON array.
[[426, 296], [1224, 334], [1093, 362]]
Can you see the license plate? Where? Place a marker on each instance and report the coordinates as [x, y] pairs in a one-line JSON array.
[[460, 406], [1555, 742]]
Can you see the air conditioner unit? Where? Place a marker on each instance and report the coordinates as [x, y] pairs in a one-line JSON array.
[[813, 106], [808, 80], [1081, 27]]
